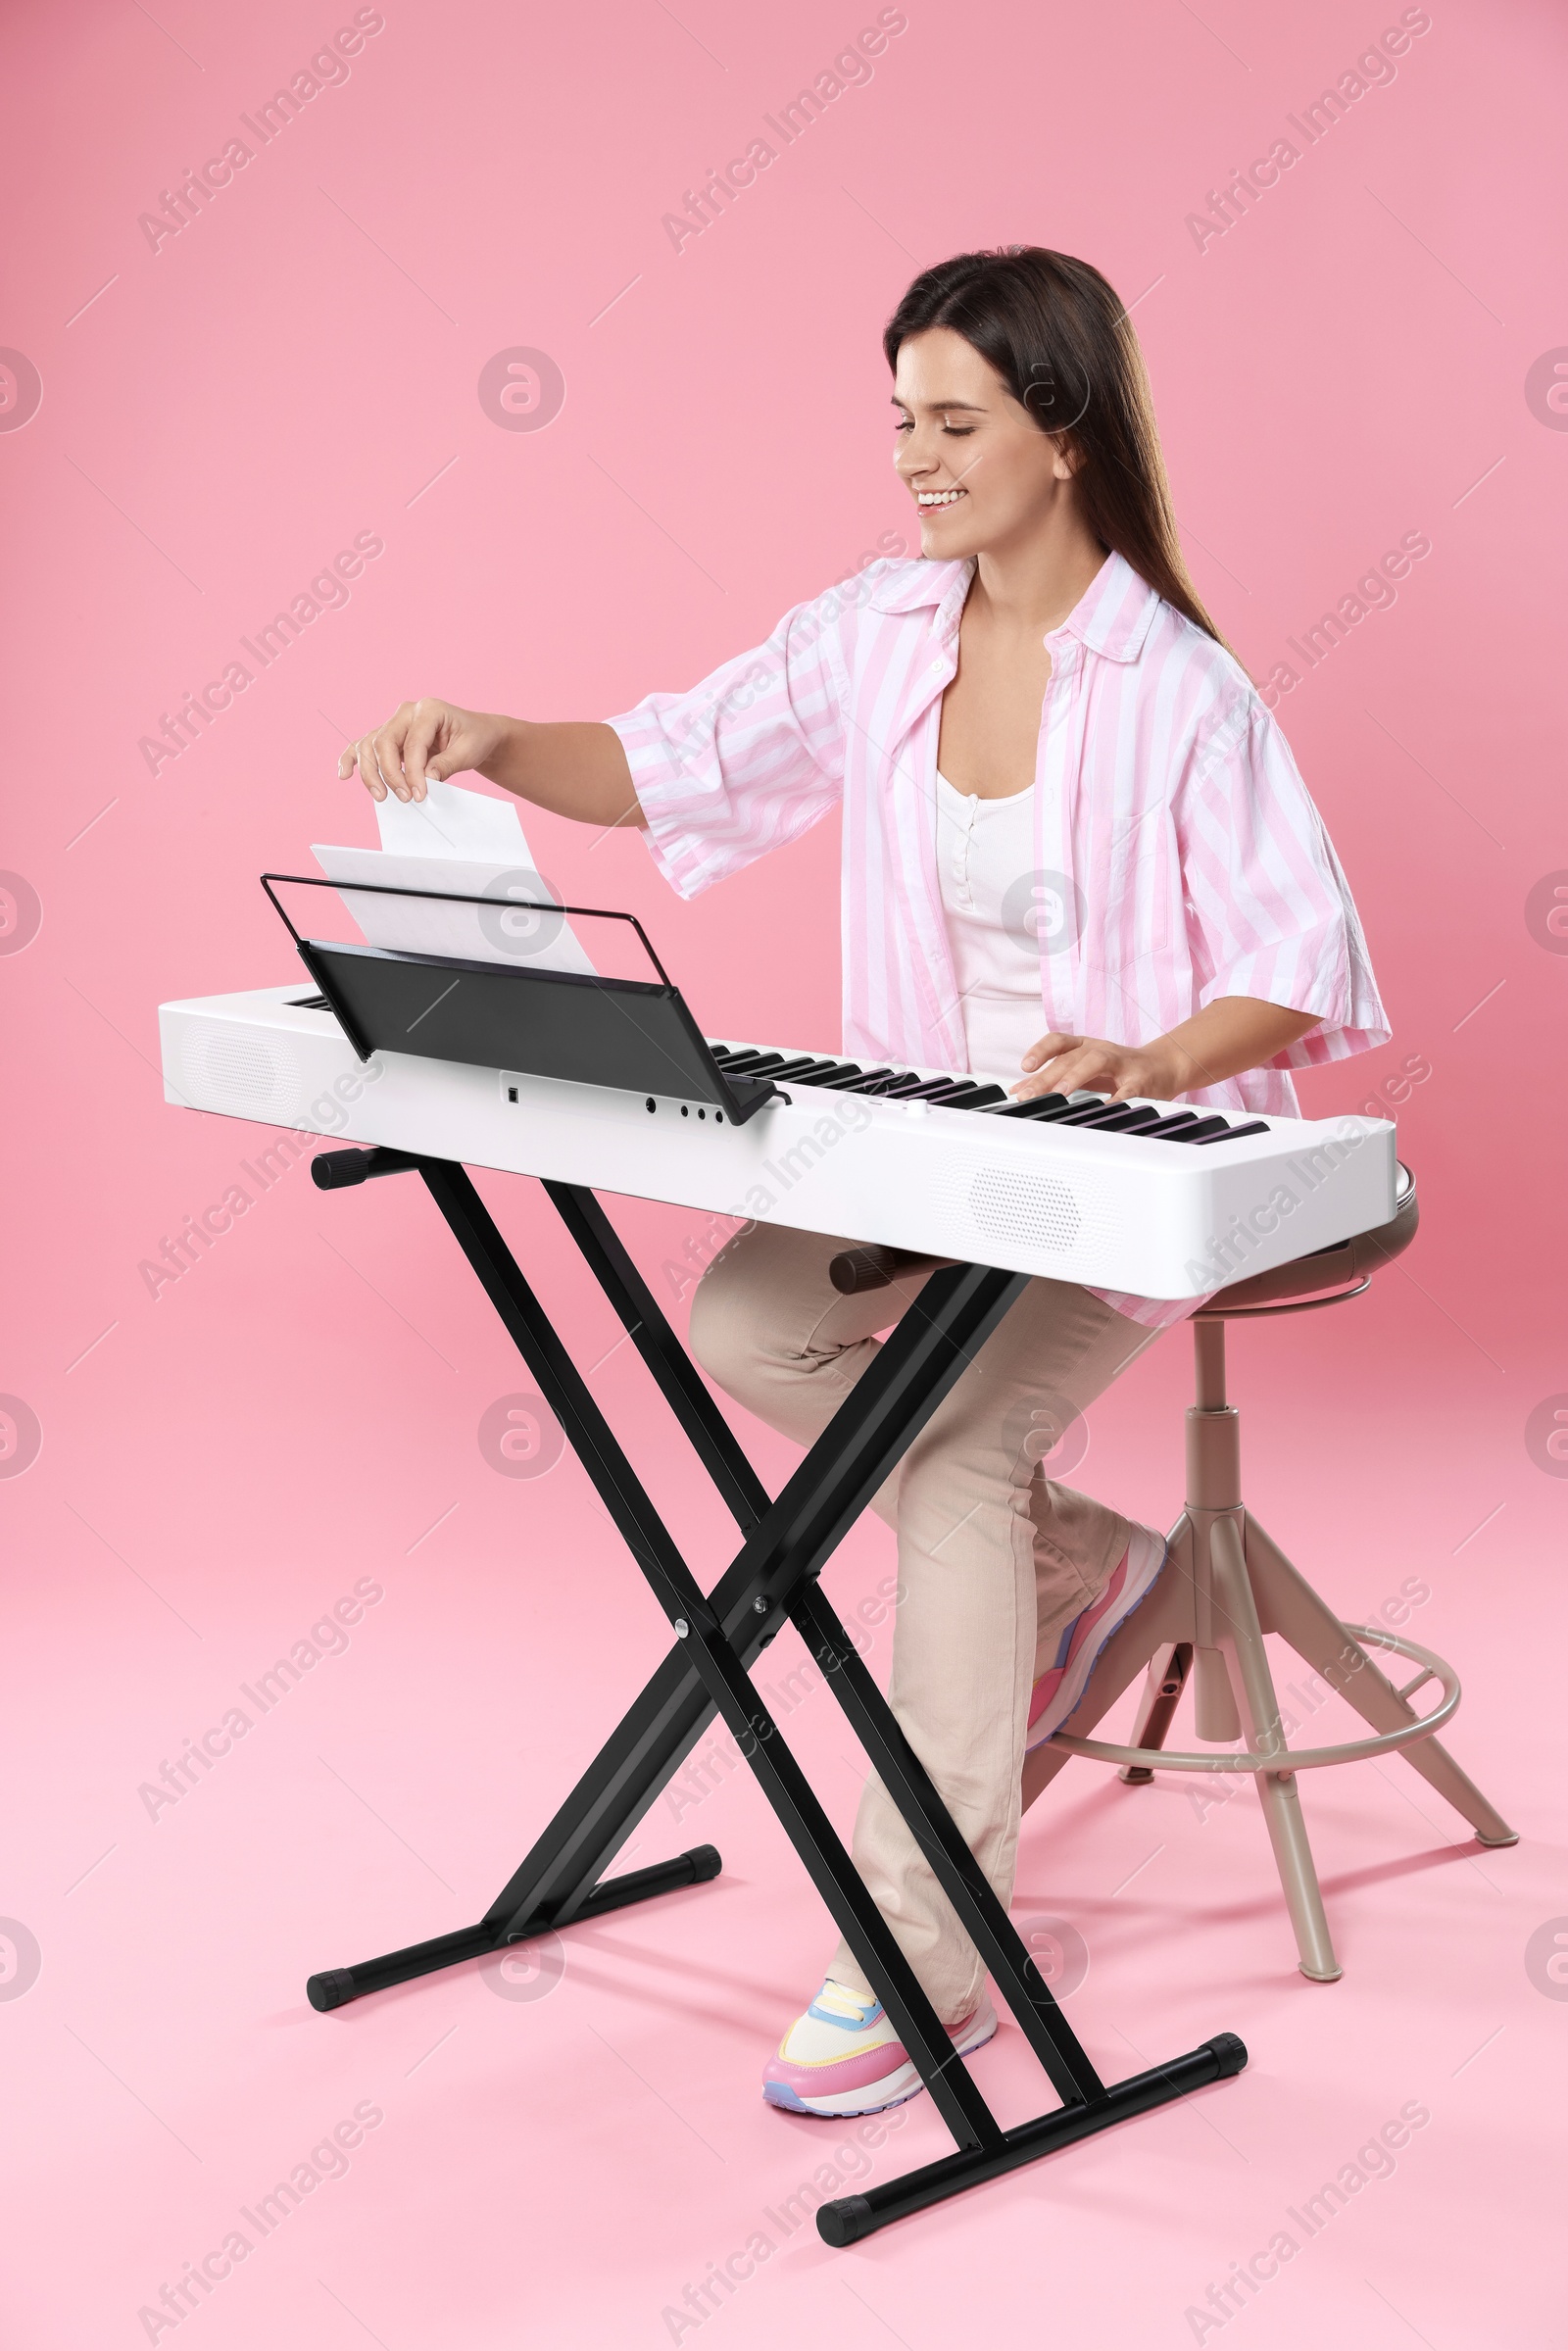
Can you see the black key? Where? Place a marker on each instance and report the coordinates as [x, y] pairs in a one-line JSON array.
[[1076, 1112], [836, 1073], [1048, 1107], [1113, 1118], [965, 1094], [802, 1066], [925, 1089], [943, 1090], [862, 1081], [1255, 1126], [309, 1004], [1205, 1130], [1127, 1119], [898, 1087], [1092, 1115], [1034, 1106], [1170, 1124], [757, 1064]]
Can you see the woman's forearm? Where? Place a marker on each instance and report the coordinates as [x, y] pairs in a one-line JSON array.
[[1232, 1034], [574, 769]]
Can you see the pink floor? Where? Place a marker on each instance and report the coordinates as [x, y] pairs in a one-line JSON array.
[[564, 2152]]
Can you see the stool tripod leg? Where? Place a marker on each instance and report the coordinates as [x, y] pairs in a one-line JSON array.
[[1241, 1641], [1171, 1662], [1169, 1670], [1316, 1635]]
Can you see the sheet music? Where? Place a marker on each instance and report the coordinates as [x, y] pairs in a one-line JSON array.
[[454, 840]]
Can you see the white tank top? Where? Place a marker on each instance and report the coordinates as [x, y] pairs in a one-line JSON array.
[[986, 860]]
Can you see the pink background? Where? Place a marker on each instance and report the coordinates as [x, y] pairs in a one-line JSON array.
[[1346, 363]]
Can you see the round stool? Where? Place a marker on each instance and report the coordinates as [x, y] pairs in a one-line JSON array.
[[1226, 1582]]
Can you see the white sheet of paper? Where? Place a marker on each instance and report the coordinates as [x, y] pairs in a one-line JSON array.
[[461, 841], [450, 822]]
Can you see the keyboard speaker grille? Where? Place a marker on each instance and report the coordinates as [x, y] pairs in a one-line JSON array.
[[1035, 1211], [240, 1074]]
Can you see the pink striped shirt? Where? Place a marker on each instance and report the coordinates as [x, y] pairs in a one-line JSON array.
[[1179, 857]]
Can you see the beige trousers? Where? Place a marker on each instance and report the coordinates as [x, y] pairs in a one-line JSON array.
[[993, 1557]]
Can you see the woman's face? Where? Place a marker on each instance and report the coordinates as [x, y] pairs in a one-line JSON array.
[[977, 465]]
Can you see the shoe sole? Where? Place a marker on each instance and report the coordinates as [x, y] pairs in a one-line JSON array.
[[895, 2089], [1080, 1673]]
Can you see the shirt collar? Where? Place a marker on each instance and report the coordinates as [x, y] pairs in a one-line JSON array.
[[1113, 616], [1115, 613], [906, 587]]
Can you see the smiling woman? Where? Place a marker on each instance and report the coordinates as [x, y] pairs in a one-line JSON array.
[[1077, 854], [1054, 341]]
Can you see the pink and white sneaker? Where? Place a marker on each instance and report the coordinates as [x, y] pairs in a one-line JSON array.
[[1059, 1691], [843, 2056]]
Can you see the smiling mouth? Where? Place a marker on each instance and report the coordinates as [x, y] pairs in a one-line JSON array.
[[932, 501]]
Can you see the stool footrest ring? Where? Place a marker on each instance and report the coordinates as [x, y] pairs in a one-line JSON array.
[[1295, 1759]]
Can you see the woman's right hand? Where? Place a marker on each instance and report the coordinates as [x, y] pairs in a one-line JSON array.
[[422, 739]]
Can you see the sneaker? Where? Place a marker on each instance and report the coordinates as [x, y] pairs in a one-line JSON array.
[[843, 2056], [1059, 1691]]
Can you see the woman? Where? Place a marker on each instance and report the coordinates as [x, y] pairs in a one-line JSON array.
[[1077, 854]]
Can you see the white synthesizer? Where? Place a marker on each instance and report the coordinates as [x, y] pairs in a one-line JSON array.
[[1158, 1199]]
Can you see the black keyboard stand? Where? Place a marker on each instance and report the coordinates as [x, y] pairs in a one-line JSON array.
[[785, 1545]]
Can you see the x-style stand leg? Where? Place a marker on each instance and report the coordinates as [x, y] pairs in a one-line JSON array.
[[718, 1634]]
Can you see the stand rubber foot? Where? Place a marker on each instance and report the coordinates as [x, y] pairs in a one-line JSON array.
[[332, 1988], [844, 2222]]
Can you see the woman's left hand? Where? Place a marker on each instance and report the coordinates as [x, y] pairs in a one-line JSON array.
[[1063, 1064]]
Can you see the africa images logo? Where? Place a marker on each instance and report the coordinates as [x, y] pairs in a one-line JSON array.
[[20, 390]]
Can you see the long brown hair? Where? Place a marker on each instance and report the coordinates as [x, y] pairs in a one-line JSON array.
[[1062, 341]]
